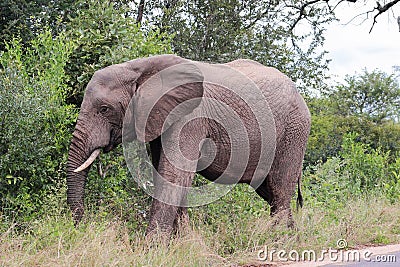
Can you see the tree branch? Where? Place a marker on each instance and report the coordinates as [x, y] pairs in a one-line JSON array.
[[381, 10], [302, 10], [140, 12], [302, 13]]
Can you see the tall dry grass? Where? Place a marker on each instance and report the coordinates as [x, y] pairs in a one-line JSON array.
[[55, 242]]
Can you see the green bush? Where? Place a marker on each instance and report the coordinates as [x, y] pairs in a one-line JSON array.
[[392, 185], [35, 122], [324, 184], [359, 171], [367, 167]]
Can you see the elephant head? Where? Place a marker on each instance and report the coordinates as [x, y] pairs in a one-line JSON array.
[[106, 100]]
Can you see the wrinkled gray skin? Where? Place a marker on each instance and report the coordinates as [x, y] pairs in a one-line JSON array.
[[101, 117]]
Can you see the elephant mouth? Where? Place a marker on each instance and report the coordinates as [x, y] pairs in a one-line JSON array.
[[115, 139], [108, 148]]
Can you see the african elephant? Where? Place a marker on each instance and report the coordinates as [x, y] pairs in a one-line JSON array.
[[275, 129]]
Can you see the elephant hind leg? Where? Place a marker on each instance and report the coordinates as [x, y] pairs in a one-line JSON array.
[[280, 209], [278, 195], [279, 186]]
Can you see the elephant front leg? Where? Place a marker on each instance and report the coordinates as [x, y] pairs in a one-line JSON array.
[[169, 199]]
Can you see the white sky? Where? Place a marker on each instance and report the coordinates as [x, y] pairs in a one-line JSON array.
[[352, 48]]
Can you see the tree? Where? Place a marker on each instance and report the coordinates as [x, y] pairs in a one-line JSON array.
[[366, 104], [27, 18], [219, 31], [374, 95], [105, 33]]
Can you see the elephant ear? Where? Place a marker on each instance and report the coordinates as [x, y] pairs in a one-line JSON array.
[[165, 98]]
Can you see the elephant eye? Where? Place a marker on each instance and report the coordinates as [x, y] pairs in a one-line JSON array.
[[103, 110]]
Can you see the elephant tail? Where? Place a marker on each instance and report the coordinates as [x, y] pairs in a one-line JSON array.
[[299, 195]]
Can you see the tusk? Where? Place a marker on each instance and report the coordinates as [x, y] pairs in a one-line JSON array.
[[88, 161]]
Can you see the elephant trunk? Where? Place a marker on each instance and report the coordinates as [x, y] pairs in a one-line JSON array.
[[76, 180]]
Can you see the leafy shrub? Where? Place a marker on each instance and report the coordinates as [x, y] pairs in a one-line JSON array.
[[324, 184], [359, 171], [392, 185], [35, 122], [367, 167], [367, 104]]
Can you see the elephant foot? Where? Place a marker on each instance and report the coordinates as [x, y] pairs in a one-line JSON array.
[[162, 232], [181, 223], [158, 235], [283, 217]]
